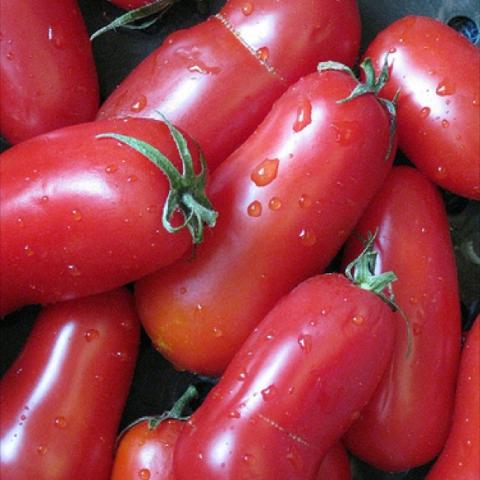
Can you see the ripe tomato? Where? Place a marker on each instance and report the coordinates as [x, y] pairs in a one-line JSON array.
[[62, 399], [460, 459], [293, 388], [406, 422], [82, 215], [287, 200], [335, 465], [218, 79], [47, 74], [437, 72], [131, 4]]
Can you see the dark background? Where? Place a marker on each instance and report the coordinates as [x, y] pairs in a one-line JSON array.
[[156, 384]]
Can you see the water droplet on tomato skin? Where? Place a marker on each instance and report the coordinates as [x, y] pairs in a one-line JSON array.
[[304, 116], [275, 203], [139, 104], [263, 53], [254, 209], [358, 319], [445, 87], [91, 334], [307, 237], [265, 172], [247, 8], [28, 251], [445, 123], [248, 458], [440, 172], [305, 342], [60, 422], [269, 392], [77, 215], [44, 199], [234, 414], [41, 450], [305, 201], [73, 270], [345, 132], [144, 474], [425, 112], [111, 168]]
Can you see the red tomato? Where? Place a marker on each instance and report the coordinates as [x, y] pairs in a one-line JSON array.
[[131, 4], [407, 421], [218, 80], [460, 459], [62, 399], [335, 465], [437, 72], [47, 74], [287, 201], [82, 215], [294, 387]]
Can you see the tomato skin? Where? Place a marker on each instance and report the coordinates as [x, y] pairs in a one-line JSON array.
[[82, 215], [460, 458], [146, 451], [62, 399], [52, 85], [406, 422], [436, 70], [293, 388], [335, 465], [131, 4], [210, 81], [199, 311]]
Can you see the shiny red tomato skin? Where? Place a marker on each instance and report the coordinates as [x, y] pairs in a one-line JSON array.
[[218, 79], [147, 453], [460, 458], [48, 76], [82, 215], [313, 185], [62, 399], [293, 388], [406, 422], [437, 72], [335, 465]]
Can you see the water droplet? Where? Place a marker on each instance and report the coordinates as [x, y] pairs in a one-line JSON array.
[[44, 199], [305, 342], [91, 334], [254, 209], [445, 123], [28, 251], [77, 215], [217, 332], [111, 168], [425, 112], [234, 414], [304, 115], [41, 450], [10, 55], [392, 50], [144, 474], [20, 222], [358, 319], [440, 172], [475, 102], [413, 300], [152, 209], [60, 422], [139, 104], [247, 8], [305, 201], [132, 178], [248, 458], [445, 87], [23, 417], [270, 335], [269, 392], [275, 203], [265, 172], [307, 237], [345, 132], [242, 376], [73, 270], [263, 53]]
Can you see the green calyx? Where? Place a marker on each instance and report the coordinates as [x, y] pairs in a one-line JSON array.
[[372, 85], [157, 8], [361, 272], [187, 189]]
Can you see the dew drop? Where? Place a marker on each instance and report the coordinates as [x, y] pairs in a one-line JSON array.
[[60, 422], [242, 376], [425, 112], [413, 300], [152, 209], [254, 209], [20, 222], [247, 8], [234, 414], [10, 56], [91, 334], [248, 458], [392, 50], [307, 237], [305, 342], [144, 474], [23, 417], [275, 203], [358, 319], [440, 172], [269, 392], [77, 215], [305, 201], [263, 53], [73, 270], [445, 87], [304, 115], [265, 172], [445, 123], [217, 332], [41, 450], [44, 199], [111, 168], [132, 178], [345, 132], [28, 251], [139, 104]]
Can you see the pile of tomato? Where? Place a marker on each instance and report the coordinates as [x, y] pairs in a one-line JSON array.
[[269, 219]]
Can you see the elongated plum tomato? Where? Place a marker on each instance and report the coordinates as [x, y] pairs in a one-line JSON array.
[[82, 214], [62, 399], [218, 79], [407, 421], [287, 199], [294, 387], [437, 72], [48, 78], [460, 458]]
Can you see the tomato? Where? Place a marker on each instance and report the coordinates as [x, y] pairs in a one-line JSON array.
[[436, 70], [131, 4], [335, 465], [48, 77], [82, 215], [62, 399], [287, 200], [406, 422], [293, 388], [461, 456], [218, 79]]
